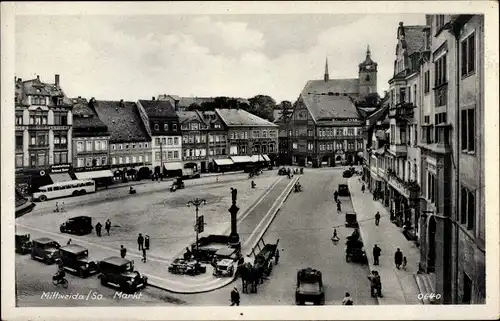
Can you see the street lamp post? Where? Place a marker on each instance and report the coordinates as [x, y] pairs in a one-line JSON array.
[[197, 202], [234, 238]]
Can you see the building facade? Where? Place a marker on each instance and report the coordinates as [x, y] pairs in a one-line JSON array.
[[43, 130], [194, 140], [129, 143], [162, 125], [251, 139], [90, 139], [217, 142], [452, 206], [403, 173]]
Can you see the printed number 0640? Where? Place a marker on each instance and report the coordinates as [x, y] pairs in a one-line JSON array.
[[430, 296]]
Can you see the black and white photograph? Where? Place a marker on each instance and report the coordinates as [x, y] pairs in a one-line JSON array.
[[245, 160]]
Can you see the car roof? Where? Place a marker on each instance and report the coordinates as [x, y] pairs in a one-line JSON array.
[[74, 248], [43, 240], [78, 217], [225, 251], [115, 260]]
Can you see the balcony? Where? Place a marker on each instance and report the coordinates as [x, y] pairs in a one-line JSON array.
[[398, 149], [402, 111], [38, 146], [409, 189]]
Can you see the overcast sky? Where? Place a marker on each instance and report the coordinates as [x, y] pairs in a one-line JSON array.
[[137, 57]]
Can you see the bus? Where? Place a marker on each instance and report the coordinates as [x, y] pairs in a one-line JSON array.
[[64, 189]]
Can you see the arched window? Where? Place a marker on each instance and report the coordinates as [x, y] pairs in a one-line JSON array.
[[471, 211]]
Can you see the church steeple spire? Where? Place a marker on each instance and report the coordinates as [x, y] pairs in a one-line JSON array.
[[368, 52], [326, 77]]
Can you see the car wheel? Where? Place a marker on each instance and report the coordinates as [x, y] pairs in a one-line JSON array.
[[83, 192], [103, 280], [82, 274], [75, 193], [61, 229], [33, 256], [42, 198]]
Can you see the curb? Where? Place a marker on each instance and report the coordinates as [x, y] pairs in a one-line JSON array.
[[229, 281]]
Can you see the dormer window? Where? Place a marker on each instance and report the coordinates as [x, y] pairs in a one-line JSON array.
[[156, 127]]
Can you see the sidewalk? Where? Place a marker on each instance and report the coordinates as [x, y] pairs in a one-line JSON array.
[[398, 286]]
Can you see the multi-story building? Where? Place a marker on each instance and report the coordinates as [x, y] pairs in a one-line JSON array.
[[162, 125], [129, 143], [194, 140], [284, 156], [403, 174], [326, 127], [43, 124], [452, 145], [251, 139], [217, 143], [90, 142]]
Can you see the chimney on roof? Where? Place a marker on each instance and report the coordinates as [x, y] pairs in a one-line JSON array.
[[57, 80], [19, 80], [122, 103]]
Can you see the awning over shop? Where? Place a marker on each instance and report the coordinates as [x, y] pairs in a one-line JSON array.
[[223, 161], [257, 158], [241, 159], [360, 154], [94, 174], [60, 177], [173, 166], [266, 158]]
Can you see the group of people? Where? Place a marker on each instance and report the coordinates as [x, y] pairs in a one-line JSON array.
[[337, 201], [298, 187], [59, 208], [98, 227], [143, 243]]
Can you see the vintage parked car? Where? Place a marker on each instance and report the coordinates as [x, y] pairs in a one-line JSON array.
[[282, 171], [75, 259], [343, 190], [23, 244], [45, 250], [78, 225], [309, 287], [177, 184], [120, 274]]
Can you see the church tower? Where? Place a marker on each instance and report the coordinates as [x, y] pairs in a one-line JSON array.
[[367, 75], [326, 77]]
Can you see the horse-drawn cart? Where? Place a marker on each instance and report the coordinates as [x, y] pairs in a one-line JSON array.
[[262, 265]]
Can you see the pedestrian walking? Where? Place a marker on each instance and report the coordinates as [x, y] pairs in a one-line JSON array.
[[143, 255], [146, 242], [347, 299], [140, 241], [277, 257], [363, 188], [398, 258], [235, 297], [405, 262], [373, 284], [123, 251], [107, 225], [62, 207], [377, 218], [335, 195], [376, 254], [339, 206], [69, 242], [375, 195], [98, 228], [57, 207]]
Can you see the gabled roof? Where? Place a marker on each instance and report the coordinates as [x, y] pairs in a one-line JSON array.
[[85, 118], [209, 116], [158, 108], [330, 107], [188, 116], [240, 117], [348, 86], [36, 87], [123, 120], [413, 37]]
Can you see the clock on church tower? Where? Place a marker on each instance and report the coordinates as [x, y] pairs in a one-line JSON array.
[[367, 75]]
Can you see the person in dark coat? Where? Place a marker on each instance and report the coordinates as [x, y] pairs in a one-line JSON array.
[[107, 226], [146, 242], [376, 254], [363, 188], [98, 228], [235, 297], [143, 255], [398, 258], [335, 195], [377, 218], [123, 251], [140, 241], [339, 207]]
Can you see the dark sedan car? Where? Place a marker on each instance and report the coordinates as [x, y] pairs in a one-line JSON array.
[[347, 174], [75, 259], [78, 225]]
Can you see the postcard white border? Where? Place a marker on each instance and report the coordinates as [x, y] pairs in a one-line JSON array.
[[487, 311]]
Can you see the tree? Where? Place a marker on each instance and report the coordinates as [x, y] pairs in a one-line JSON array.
[[286, 110], [263, 106], [194, 106]]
